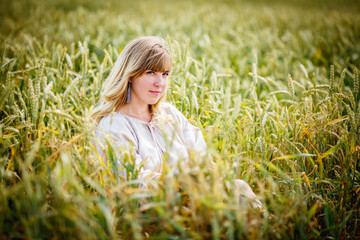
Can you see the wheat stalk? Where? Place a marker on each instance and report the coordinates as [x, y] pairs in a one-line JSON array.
[[356, 82], [341, 81], [291, 86], [33, 100], [352, 118], [332, 79]]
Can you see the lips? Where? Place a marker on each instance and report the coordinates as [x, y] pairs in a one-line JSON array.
[[157, 93]]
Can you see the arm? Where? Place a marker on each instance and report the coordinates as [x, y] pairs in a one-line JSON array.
[[191, 135], [117, 144]]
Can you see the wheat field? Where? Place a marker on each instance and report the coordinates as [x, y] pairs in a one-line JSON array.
[[274, 88]]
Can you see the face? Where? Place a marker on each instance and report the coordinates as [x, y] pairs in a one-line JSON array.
[[148, 87]]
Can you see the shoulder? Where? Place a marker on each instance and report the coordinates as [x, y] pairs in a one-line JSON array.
[[168, 113], [115, 124], [111, 121], [172, 110]]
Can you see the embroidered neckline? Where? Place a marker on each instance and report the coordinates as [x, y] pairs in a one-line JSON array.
[[156, 118], [135, 119]]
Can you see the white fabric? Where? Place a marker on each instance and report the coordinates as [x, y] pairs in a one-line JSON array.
[[168, 132]]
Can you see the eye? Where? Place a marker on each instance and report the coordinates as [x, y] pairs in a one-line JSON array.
[[150, 72], [165, 74]]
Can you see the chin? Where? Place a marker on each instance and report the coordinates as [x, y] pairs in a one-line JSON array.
[[154, 101]]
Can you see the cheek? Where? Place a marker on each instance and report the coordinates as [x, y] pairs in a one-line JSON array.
[[142, 85]]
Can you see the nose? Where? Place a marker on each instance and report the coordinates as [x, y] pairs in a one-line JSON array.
[[160, 80]]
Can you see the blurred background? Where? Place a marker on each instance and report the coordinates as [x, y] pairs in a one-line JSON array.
[[272, 84]]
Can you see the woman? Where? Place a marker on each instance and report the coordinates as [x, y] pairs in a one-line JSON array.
[[133, 115]]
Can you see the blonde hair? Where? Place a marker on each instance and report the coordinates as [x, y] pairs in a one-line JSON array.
[[145, 53]]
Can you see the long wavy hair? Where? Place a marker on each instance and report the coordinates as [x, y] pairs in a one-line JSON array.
[[145, 53]]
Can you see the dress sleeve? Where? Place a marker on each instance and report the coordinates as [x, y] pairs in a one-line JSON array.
[[118, 136], [192, 136]]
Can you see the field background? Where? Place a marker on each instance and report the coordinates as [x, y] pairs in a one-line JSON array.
[[274, 87]]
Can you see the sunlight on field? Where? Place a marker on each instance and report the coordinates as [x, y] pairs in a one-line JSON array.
[[274, 87]]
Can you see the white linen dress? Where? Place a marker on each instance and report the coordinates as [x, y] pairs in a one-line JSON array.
[[168, 132]]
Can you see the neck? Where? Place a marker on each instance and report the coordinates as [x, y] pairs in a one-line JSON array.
[[138, 111]]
